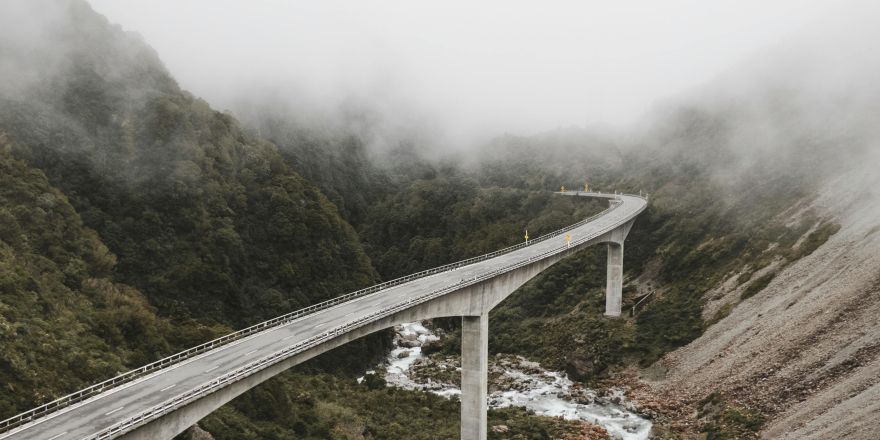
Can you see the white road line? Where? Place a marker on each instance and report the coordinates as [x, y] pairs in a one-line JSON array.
[[167, 388], [59, 435], [249, 353], [288, 337], [212, 368], [111, 412]]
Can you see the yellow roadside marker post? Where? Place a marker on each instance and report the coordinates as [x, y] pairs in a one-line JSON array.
[[586, 188], [527, 236], [567, 240], [562, 189]]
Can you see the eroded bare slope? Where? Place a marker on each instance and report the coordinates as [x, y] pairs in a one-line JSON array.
[[805, 351]]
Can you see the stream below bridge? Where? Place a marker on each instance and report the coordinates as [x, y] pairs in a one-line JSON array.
[[513, 381]]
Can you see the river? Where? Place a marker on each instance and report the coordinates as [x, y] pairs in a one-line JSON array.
[[514, 381]]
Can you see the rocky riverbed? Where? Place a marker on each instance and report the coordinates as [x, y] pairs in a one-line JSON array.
[[513, 381]]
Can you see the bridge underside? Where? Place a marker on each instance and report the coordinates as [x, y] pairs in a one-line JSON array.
[[472, 303]]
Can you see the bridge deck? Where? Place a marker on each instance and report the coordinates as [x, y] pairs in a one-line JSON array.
[[102, 411]]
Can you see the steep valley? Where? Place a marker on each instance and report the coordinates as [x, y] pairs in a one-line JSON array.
[[136, 220]]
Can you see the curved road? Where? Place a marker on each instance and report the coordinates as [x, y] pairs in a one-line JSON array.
[[88, 418]]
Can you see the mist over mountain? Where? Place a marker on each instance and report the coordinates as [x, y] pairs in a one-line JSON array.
[[152, 167], [470, 72]]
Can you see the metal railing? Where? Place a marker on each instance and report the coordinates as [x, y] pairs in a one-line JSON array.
[[253, 367], [130, 376], [640, 301]]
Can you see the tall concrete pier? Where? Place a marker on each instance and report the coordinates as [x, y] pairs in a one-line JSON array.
[[614, 285], [474, 375]]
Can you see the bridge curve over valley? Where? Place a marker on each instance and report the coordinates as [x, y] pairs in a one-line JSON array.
[[161, 400]]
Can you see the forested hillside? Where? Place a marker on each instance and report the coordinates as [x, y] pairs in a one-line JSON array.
[[332, 154], [64, 322], [204, 219], [208, 223]]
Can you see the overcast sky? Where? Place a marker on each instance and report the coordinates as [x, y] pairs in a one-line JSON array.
[[486, 66]]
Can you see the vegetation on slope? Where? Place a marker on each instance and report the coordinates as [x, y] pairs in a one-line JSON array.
[[323, 406], [726, 421], [160, 193], [205, 220], [334, 157], [431, 222], [64, 323]]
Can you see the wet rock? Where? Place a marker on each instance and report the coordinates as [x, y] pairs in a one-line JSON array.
[[197, 433], [500, 429], [409, 343]]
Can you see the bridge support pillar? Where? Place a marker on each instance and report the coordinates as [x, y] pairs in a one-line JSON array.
[[614, 285], [474, 376]]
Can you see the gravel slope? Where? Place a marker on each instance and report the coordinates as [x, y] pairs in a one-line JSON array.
[[806, 350]]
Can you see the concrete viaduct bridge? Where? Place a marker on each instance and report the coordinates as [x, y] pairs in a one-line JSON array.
[[162, 399]]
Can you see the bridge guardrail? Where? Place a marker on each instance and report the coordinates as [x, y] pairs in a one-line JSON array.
[[144, 371], [220, 382]]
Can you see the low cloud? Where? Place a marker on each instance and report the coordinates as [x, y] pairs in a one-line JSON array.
[[473, 70]]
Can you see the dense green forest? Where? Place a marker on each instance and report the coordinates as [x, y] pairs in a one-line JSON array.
[[135, 220], [64, 323], [170, 210]]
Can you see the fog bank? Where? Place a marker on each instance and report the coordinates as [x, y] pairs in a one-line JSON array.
[[471, 70]]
